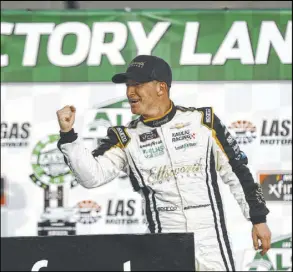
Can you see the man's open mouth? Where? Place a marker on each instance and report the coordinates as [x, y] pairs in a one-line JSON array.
[[133, 101]]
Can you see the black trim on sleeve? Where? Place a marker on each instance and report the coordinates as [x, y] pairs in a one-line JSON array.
[[258, 220], [106, 143], [67, 137], [207, 116], [238, 161], [121, 135]]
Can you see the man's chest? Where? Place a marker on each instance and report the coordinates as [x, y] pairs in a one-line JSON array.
[[175, 144]]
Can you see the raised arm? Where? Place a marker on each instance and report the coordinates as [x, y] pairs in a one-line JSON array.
[[91, 168]]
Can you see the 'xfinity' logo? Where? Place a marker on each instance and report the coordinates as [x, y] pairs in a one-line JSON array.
[[280, 189], [276, 187]]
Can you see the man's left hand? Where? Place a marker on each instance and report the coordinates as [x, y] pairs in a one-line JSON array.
[[261, 232]]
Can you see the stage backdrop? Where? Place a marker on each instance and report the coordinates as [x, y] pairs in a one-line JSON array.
[[238, 62]]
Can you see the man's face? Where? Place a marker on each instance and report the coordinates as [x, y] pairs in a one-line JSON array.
[[142, 97]]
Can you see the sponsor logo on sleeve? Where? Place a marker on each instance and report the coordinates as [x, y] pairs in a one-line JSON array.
[[98, 120], [208, 115], [123, 136]]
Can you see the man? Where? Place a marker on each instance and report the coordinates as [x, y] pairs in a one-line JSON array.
[[172, 155]]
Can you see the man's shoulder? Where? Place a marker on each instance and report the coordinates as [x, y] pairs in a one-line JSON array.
[[119, 133], [186, 109], [206, 112]]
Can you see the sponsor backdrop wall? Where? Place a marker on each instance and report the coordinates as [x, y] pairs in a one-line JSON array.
[[238, 62]]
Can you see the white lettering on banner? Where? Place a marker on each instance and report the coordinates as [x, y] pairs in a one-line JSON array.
[[55, 44], [39, 264], [144, 44], [238, 33], [189, 45], [112, 49], [91, 45], [280, 188], [270, 36], [33, 34], [6, 29]]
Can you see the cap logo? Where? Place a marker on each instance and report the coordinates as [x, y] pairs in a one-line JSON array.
[[137, 64]]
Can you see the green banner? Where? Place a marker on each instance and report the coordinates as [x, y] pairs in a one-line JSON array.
[[90, 46]]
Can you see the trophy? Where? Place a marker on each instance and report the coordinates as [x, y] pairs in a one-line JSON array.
[[52, 174]]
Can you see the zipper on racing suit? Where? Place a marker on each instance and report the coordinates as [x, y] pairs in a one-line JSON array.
[[177, 185]]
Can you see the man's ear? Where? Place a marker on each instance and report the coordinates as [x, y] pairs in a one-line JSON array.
[[161, 89]]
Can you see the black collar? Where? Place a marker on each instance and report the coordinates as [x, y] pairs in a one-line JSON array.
[[160, 121]]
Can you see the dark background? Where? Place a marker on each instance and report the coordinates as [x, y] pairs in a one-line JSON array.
[[59, 5], [149, 252]]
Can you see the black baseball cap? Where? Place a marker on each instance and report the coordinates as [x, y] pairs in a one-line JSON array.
[[145, 68]]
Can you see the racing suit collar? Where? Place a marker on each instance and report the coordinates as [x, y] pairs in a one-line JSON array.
[[156, 122]]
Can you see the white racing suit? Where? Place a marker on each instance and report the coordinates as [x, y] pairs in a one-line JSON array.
[[173, 163]]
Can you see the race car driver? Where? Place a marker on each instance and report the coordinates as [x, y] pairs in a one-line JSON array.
[[172, 155]]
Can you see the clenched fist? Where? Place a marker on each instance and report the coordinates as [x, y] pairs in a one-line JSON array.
[[66, 118]]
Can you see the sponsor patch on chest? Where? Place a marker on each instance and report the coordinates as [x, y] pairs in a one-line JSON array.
[[183, 135], [152, 149], [153, 134]]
